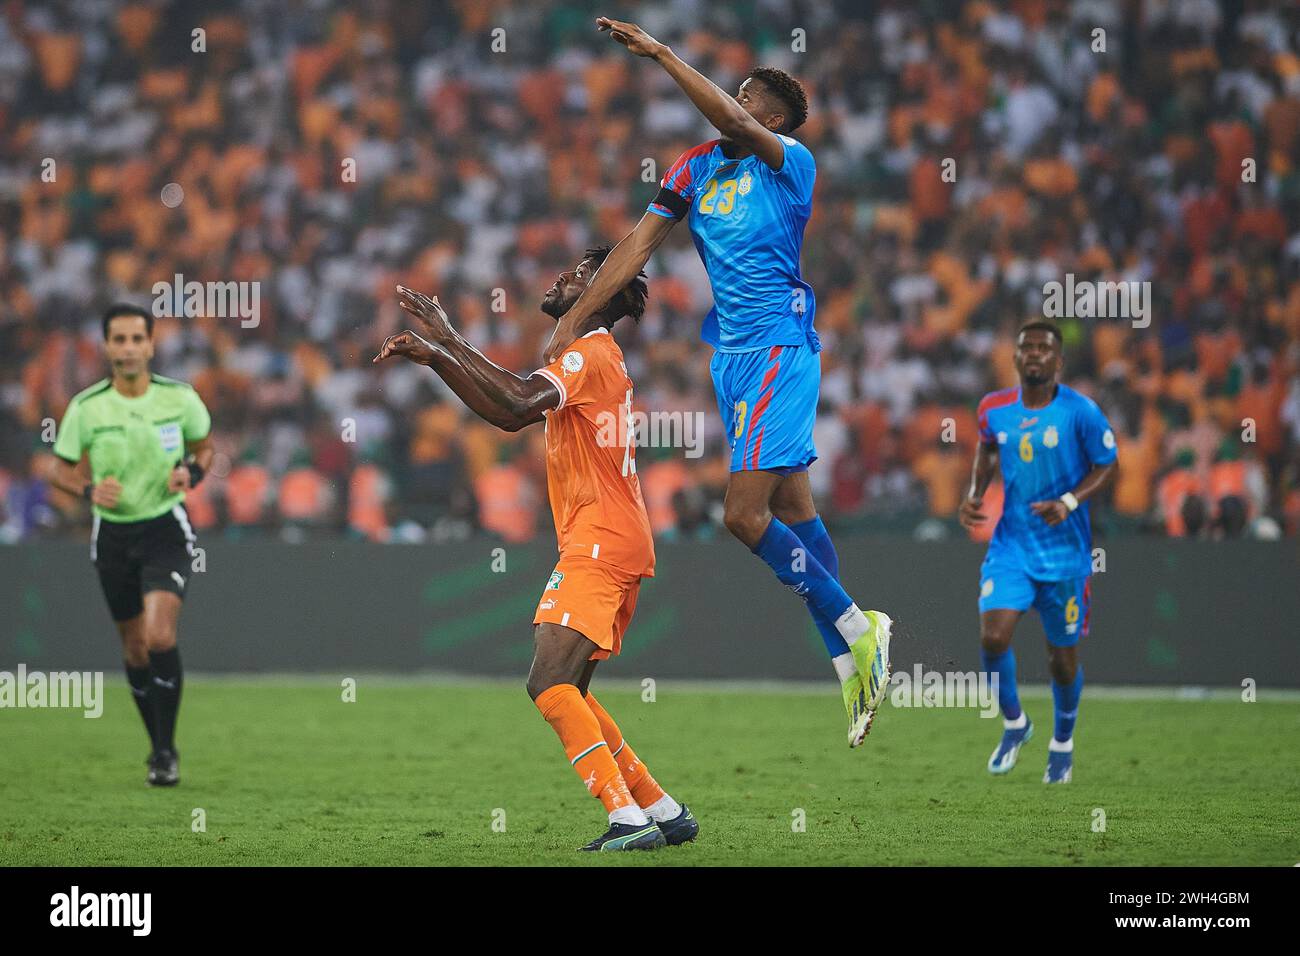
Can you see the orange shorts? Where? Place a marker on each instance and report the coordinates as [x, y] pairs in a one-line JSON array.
[[594, 598]]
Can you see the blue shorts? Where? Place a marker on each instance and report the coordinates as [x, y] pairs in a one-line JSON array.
[[768, 402], [1062, 605]]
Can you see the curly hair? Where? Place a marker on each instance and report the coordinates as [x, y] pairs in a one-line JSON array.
[[632, 298], [788, 90]]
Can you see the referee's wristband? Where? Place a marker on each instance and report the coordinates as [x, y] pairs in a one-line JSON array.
[[197, 473], [1071, 502]]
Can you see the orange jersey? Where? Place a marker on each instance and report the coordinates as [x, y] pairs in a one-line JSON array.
[[590, 459]]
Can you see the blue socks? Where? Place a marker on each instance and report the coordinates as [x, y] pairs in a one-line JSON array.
[[798, 568], [817, 542], [1004, 665], [1066, 697]]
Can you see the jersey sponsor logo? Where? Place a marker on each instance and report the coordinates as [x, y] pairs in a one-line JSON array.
[[546, 605], [986, 588], [572, 362], [1028, 422], [1050, 437], [170, 436], [1002, 438], [554, 583]]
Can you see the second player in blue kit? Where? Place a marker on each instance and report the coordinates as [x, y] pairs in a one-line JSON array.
[[1055, 450]]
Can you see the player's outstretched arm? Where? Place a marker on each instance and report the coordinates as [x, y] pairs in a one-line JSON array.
[[495, 394], [624, 262], [981, 474], [412, 347], [720, 108]]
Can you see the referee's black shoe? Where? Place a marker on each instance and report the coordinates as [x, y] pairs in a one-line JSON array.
[[164, 769]]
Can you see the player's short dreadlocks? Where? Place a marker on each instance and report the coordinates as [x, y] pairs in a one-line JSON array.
[[788, 90]]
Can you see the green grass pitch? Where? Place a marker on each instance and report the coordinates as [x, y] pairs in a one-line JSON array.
[[418, 773]]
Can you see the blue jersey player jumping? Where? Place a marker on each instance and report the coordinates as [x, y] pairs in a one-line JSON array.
[[747, 197], [1057, 451]]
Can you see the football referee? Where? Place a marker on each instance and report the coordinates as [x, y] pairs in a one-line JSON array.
[[144, 440]]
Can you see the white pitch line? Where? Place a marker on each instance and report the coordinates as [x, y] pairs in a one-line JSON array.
[[1190, 694]]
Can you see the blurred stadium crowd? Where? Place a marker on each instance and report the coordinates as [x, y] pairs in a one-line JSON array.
[[481, 173]]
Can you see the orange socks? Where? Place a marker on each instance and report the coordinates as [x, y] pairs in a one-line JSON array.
[[580, 733], [645, 789]]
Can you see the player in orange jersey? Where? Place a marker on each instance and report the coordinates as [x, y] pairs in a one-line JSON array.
[[585, 398]]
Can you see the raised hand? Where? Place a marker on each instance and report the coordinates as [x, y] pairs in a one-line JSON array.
[[408, 345], [427, 311], [631, 36]]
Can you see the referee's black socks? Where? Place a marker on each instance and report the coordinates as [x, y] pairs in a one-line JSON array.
[[165, 672], [142, 691]]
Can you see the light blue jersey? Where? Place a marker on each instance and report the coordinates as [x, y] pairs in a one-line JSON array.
[[1044, 452], [747, 221]]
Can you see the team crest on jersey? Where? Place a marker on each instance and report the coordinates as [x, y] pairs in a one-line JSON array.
[[572, 362], [554, 583], [987, 588], [1002, 438], [745, 185], [1050, 438], [1108, 439]]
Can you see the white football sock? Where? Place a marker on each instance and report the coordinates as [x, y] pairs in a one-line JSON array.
[[852, 624], [1017, 724], [663, 809], [1061, 747], [844, 667], [632, 815]]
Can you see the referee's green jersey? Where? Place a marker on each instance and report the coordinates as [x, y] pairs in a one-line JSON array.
[[136, 440]]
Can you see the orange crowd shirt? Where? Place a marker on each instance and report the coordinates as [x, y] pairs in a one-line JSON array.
[[591, 459]]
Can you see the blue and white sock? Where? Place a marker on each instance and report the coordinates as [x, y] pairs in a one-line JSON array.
[[797, 568], [1067, 697], [817, 541], [1004, 666]]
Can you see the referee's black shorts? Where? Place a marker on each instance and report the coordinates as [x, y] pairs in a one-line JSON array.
[[136, 557]]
